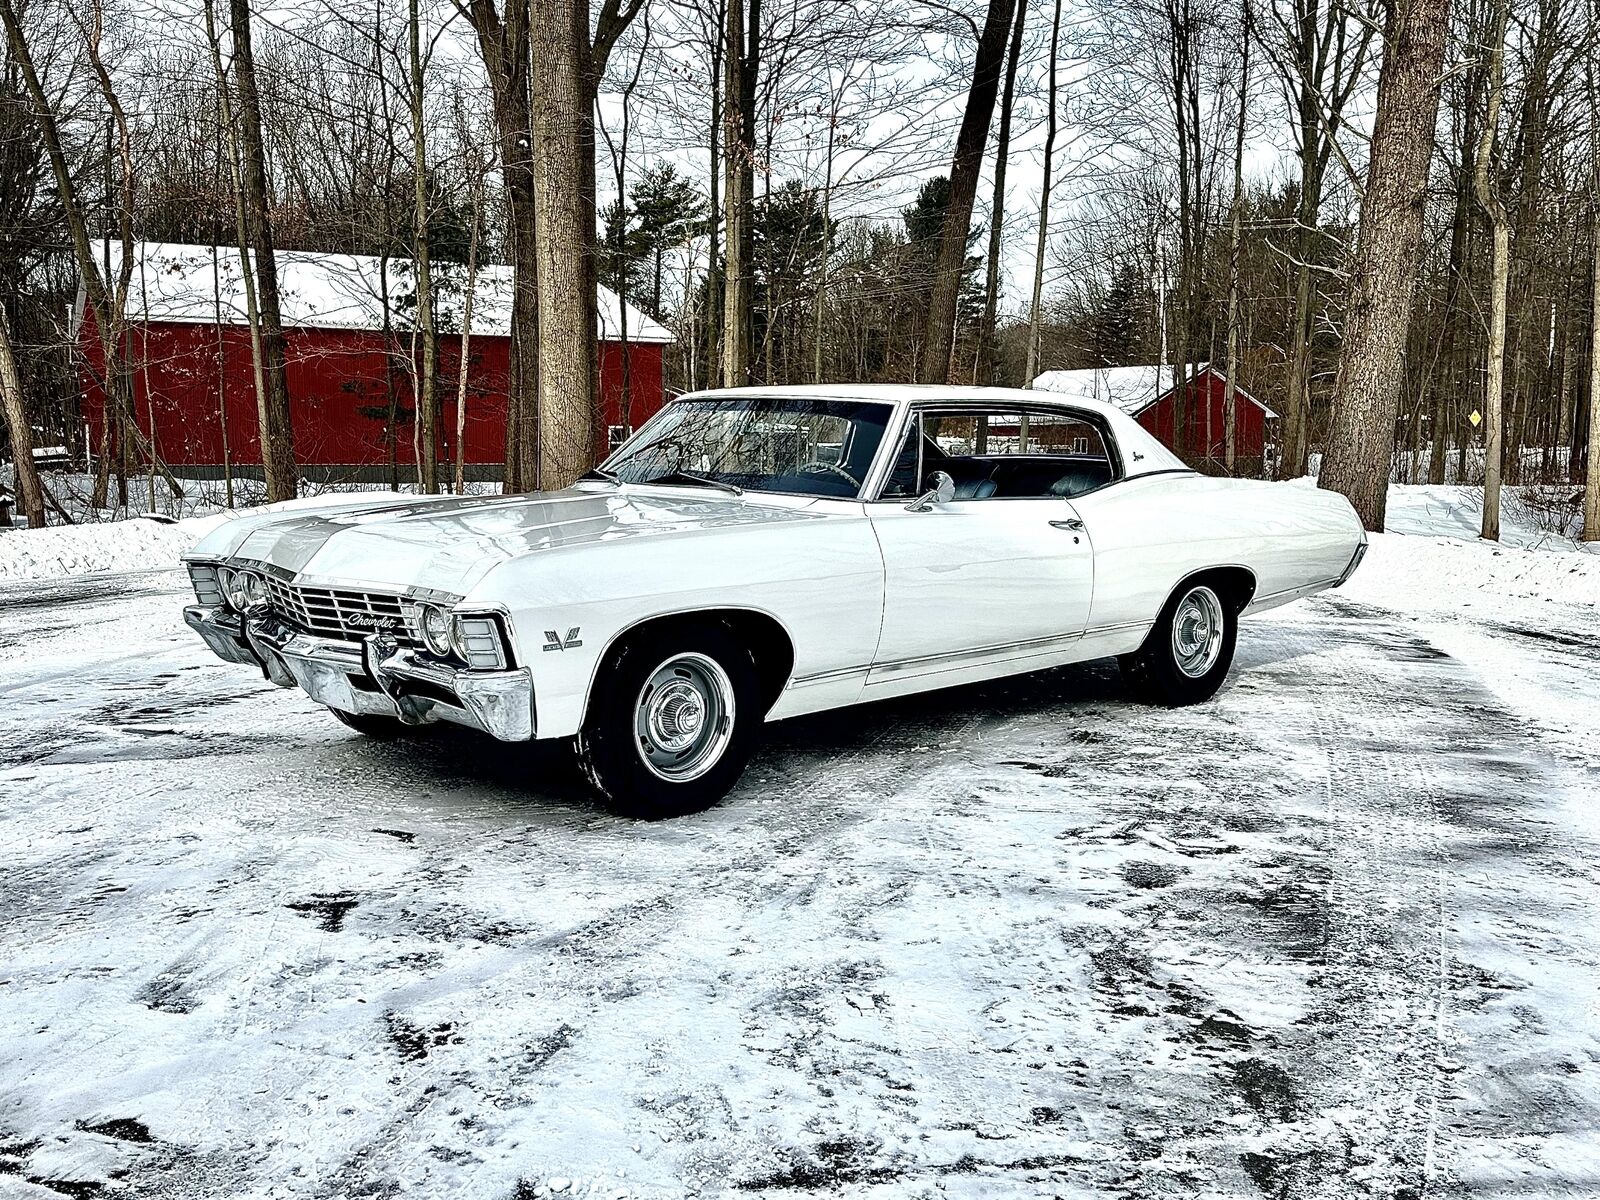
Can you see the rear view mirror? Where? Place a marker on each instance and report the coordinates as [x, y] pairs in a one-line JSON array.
[[941, 490]]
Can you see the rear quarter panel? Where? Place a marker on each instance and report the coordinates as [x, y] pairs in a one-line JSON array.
[[820, 577], [1149, 533]]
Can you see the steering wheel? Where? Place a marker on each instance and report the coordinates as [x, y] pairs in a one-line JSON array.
[[817, 467]]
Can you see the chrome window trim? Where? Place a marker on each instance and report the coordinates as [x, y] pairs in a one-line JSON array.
[[915, 410], [896, 410]]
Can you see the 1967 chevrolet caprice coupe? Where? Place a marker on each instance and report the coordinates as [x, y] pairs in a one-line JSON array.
[[750, 555]]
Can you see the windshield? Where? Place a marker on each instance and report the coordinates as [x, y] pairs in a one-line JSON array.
[[800, 445]]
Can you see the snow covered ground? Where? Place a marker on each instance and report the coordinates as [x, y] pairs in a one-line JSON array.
[[1329, 935]]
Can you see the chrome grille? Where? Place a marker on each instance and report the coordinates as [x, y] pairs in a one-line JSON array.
[[337, 612]]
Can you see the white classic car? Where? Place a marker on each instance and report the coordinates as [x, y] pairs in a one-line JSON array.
[[755, 554]]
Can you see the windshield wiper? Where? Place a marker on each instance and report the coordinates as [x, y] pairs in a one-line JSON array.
[[602, 474], [672, 477]]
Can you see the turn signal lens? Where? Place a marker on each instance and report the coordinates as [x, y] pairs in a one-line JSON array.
[[476, 641], [207, 587]]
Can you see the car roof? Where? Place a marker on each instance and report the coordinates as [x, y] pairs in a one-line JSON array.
[[1142, 454]]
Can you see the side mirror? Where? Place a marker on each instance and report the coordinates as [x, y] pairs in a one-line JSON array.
[[942, 491]]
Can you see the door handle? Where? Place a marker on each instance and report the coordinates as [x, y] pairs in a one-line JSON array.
[[1071, 523]]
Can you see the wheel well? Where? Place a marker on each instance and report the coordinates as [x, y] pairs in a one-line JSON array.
[[769, 642], [1235, 586]]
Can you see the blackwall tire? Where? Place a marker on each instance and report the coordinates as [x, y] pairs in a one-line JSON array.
[[1189, 649], [673, 720]]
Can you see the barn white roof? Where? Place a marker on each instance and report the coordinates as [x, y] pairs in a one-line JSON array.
[[1132, 389], [193, 284]]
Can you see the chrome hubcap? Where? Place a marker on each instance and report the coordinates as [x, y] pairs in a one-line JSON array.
[[1197, 632], [684, 719]]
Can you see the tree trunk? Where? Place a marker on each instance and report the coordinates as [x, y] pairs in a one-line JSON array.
[[1036, 309], [1297, 415], [562, 112], [715, 281], [277, 431], [464, 365], [29, 489], [427, 393], [742, 58], [1180, 30], [1591, 491], [965, 167], [1484, 169], [1371, 360], [1235, 249], [989, 372], [1297, 407], [505, 51]]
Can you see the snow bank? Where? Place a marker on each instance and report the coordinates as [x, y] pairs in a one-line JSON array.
[[141, 544], [137, 545], [1408, 572]]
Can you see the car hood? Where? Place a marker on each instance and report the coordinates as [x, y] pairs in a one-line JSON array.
[[448, 544]]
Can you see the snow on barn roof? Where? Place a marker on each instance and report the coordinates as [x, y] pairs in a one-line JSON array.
[[191, 284], [1132, 389]]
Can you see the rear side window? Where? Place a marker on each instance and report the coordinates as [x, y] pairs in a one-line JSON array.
[[1003, 455]]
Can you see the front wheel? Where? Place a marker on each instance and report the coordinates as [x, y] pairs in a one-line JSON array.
[[672, 721], [1188, 651]]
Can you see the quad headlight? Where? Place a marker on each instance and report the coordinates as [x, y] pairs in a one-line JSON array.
[[434, 625], [241, 590], [472, 639]]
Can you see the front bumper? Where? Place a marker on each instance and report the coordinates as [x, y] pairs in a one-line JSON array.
[[374, 677]]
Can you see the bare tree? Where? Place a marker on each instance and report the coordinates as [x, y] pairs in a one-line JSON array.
[[1371, 360], [277, 430], [1036, 311], [989, 367], [241, 220], [1235, 251], [741, 64], [1320, 53], [504, 44], [1484, 172], [965, 168], [107, 304], [427, 390], [1591, 492]]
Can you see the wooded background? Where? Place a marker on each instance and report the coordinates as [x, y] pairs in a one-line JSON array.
[[1381, 219]]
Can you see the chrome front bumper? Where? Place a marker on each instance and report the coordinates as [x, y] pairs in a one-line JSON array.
[[376, 677]]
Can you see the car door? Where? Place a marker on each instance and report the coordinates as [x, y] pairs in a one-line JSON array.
[[1002, 572]]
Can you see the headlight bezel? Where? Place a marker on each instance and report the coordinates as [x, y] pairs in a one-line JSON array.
[[441, 646], [242, 589]]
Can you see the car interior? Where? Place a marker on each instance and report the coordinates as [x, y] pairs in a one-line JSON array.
[[1003, 456]]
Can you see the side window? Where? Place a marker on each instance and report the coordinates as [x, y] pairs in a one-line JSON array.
[[1003, 455]]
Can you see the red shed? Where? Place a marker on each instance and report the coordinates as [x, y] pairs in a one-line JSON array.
[[1147, 394], [351, 361]]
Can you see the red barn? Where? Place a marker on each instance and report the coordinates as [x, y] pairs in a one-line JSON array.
[[351, 356], [1147, 394]]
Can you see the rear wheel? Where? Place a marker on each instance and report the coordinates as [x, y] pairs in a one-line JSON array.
[[672, 722], [373, 725], [1188, 652]]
